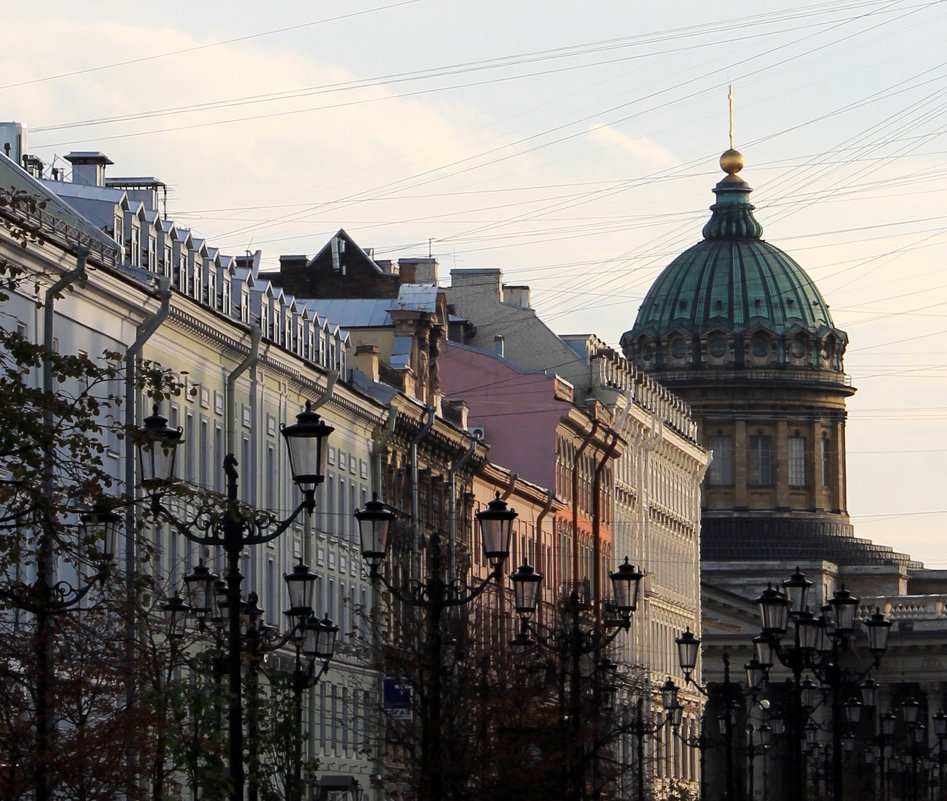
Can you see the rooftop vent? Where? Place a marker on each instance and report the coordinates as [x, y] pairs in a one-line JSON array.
[[88, 168]]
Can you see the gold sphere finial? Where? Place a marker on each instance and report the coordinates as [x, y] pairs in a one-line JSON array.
[[731, 161]]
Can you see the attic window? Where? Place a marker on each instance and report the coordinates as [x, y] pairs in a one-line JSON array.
[[682, 303], [719, 304]]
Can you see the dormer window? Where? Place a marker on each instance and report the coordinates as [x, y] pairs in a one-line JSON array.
[[117, 232]]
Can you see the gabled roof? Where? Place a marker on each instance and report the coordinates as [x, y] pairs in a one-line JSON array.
[[352, 251]]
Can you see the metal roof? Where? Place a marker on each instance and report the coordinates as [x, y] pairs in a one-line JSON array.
[[59, 217], [352, 312], [417, 297], [733, 280]]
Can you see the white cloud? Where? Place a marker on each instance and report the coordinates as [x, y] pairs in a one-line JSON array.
[[644, 151]]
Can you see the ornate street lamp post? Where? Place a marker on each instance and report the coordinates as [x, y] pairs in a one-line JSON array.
[[233, 528], [582, 635], [688, 649], [434, 594], [311, 638], [817, 646]]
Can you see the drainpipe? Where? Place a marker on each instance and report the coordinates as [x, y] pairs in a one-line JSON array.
[[132, 416], [49, 304], [616, 428], [45, 559], [415, 500], [378, 450], [510, 486], [253, 356], [539, 534], [575, 500], [331, 377], [597, 517], [452, 507], [378, 447]]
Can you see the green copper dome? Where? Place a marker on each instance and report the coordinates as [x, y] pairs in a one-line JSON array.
[[733, 281]]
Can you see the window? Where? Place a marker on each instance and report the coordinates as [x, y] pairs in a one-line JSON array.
[[270, 477], [341, 527], [197, 290], [718, 346], [212, 288], [826, 463], [797, 461], [244, 474], [761, 460], [217, 457], [353, 527], [271, 612], [330, 502], [190, 474], [173, 422], [204, 455], [760, 346], [134, 247], [720, 472]]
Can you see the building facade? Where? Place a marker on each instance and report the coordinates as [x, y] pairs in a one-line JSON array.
[[631, 474]]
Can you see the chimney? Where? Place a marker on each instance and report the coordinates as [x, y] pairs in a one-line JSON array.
[[34, 166], [516, 295], [480, 282], [88, 168], [418, 270], [366, 361], [499, 345], [13, 140]]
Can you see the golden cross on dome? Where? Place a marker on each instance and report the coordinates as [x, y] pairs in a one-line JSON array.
[[730, 104]]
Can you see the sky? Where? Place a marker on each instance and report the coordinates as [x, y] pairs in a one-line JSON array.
[[573, 145]]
